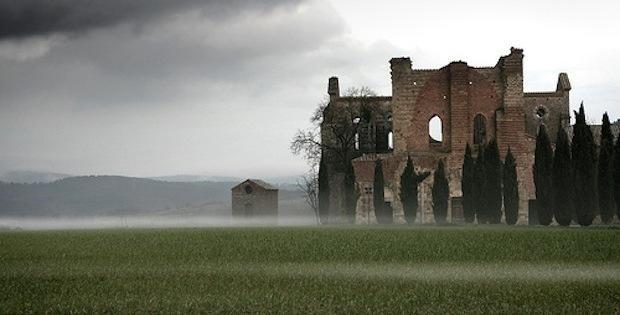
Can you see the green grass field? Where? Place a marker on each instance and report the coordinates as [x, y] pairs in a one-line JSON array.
[[312, 270]]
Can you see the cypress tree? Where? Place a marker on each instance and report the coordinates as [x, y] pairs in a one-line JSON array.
[[584, 155], [511, 189], [492, 194], [605, 175], [409, 182], [323, 192], [383, 213], [543, 164], [479, 186], [616, 172], [350, 193], [407, 197], [467, 186], [562, 180], [441, 193]]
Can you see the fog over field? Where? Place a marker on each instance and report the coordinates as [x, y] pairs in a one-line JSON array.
[[149, 221]]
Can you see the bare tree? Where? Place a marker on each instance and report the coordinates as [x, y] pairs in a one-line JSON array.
[[307, 142], [309, 185], [341, 125]]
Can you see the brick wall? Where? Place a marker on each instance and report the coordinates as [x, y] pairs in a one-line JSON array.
[[457, 93], [259, 201]]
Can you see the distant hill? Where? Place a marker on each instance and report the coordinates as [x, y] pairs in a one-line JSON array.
[[281, 181], [117, 195], [31, 177], [196, 178]]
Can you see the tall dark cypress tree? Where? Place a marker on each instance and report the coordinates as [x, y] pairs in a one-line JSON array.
[[584, 157], [616, 172], [407, 197], [479, 187], [511, 189], [409, 182], [562, 180], [492, 194], [323, 192], [350, 193], [467, 186], [543, 165], [605, 176], [383, 213], [441, 193]]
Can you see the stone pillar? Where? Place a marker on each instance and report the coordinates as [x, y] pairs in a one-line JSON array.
[[459, 108], [336, 198], [564, 87], [511, 129], [365, 209], [402, 98], [511, 126], [333, 88]]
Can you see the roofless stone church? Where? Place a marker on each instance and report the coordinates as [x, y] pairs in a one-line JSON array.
[[470, 104]]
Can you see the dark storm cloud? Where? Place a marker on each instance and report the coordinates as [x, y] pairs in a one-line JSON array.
[[166, 60], [155, 89], [24, 18]]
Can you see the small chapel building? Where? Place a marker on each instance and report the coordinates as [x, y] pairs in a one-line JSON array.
[[254, 198]]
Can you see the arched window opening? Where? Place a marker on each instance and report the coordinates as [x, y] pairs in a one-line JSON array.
[[391, 140], [480, 129], [435, 130], [357, 141], [541, 111]]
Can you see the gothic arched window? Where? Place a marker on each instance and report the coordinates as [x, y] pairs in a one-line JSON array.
[[480, 129], [435, 130]]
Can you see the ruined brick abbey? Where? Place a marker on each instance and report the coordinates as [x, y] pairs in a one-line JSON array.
[[471, 104]]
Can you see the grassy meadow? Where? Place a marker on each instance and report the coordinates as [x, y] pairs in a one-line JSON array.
[[312, 270]]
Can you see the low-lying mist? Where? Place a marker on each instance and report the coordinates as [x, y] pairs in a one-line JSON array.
[[147, 221]]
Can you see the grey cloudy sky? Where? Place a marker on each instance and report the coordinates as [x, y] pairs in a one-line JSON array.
[[158, 87]]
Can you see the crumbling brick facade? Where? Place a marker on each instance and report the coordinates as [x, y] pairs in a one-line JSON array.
[[474, 105]]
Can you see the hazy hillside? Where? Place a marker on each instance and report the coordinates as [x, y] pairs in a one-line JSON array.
[[284, 182], [116, 195], [31, 177], [196, 178]]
